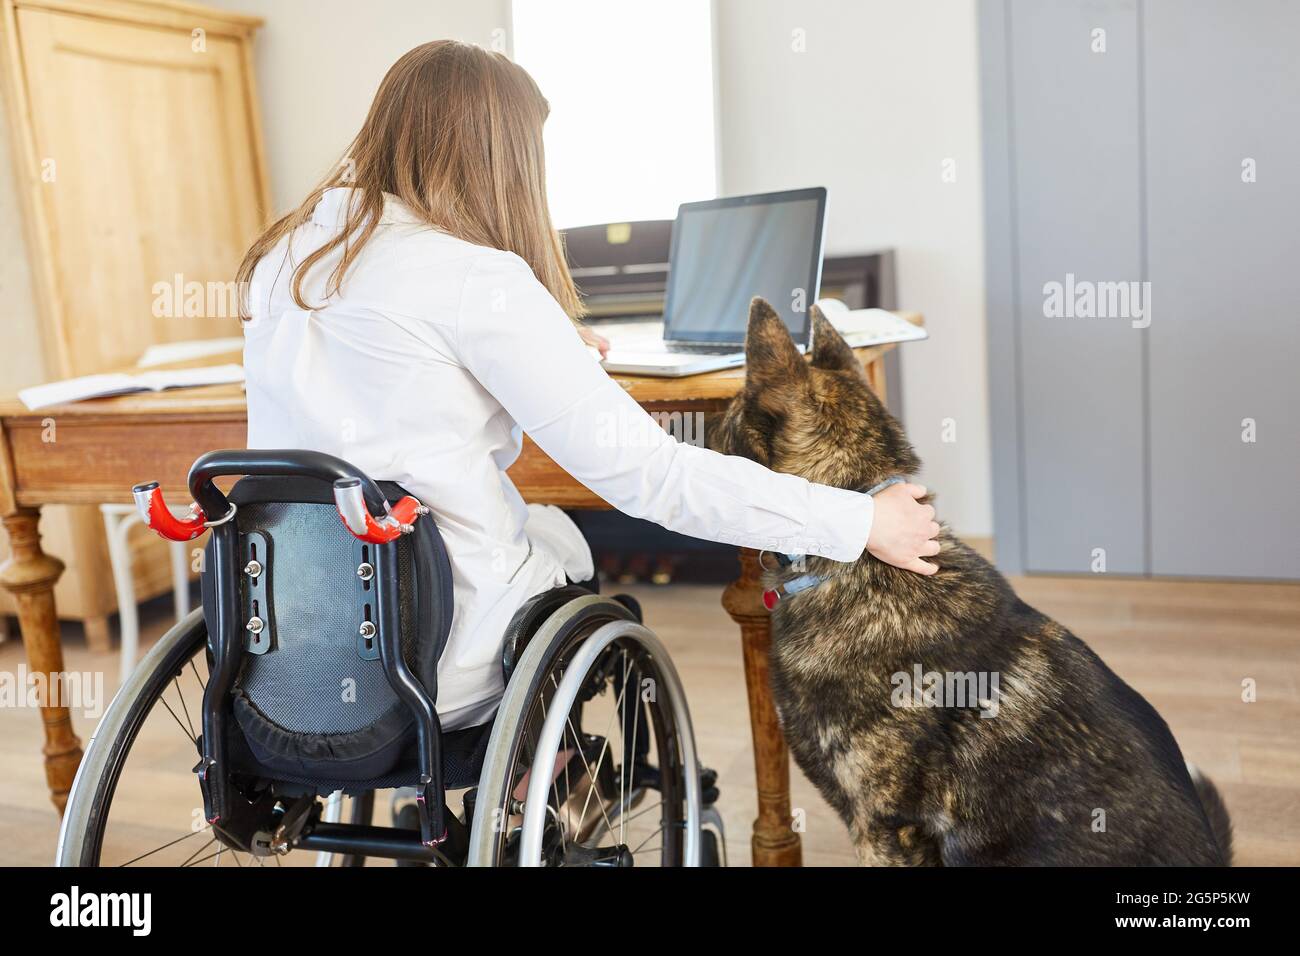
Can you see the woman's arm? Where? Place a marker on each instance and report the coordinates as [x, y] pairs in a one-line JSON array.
[[521, 347]]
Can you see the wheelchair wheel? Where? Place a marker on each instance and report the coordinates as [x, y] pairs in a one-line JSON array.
[[592, 759], [141, 806]]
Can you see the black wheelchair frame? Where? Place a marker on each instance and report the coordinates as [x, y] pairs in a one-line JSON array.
[[227, 810]]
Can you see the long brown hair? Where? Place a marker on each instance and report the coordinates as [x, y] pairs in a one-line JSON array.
[[455, 132]]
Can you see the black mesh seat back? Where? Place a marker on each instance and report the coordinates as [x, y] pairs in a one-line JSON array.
[[313, 704], [312, 680]]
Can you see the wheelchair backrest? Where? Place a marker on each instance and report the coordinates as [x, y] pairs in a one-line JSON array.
[[311, 696]]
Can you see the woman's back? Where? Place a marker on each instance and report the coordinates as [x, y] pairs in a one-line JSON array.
[[374, 376]]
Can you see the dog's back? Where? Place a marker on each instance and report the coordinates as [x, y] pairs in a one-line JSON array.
[[1084, 770]]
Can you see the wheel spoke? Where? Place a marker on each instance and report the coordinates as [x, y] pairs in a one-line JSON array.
[[204, 859], [200, 850], [163, 847], [644, 810], [188, 733], [648, 839], [599, 761], [181, 694]]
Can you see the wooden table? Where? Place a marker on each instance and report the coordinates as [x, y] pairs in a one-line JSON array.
[[93, 452]]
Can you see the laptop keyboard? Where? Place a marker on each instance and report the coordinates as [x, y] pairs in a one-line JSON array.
[[703, 348]]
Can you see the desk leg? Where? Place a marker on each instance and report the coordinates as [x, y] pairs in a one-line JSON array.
[[29, 575], [775, 842]]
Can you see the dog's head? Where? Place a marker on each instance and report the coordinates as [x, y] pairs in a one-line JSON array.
[[819, 418]]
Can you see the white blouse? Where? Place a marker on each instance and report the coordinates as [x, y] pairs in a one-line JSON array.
[[426, 370]]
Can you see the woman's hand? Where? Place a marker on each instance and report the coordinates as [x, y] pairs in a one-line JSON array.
[[597, 342], [903, 529]]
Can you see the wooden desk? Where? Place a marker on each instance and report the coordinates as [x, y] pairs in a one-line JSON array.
[[93, 452]]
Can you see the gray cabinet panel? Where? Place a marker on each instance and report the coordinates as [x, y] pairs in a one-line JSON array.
[[1223, 86], [1077, 173], [999, 284]]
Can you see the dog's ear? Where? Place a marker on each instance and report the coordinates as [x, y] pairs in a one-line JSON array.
[[771, 358], [830, 351]]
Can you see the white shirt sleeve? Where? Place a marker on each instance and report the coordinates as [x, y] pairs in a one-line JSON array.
[[515, 339]]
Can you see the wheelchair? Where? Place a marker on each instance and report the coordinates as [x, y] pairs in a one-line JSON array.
[[306, 684]]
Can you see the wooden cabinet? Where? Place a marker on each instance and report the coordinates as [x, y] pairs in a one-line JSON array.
[[136, 153]]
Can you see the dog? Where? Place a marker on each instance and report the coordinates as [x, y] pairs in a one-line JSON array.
[[946, 721]]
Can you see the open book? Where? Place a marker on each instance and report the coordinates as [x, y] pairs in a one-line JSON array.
[[123, 383]]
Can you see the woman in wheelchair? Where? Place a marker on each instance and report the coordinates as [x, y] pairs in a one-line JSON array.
[[381, 610]]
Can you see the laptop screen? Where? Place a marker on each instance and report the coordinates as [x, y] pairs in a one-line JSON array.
[[726, 251]]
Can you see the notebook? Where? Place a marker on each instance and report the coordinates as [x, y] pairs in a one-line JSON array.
[[863, 327]]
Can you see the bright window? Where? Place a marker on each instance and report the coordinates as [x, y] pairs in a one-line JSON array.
[[630, 83]]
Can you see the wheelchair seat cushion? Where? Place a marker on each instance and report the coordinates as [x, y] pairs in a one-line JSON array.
[[311, 698]]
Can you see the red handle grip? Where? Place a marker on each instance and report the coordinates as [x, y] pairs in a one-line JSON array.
[[357, 518], [158, 517]]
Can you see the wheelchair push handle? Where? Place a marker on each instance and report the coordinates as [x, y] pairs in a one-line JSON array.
[[161, 519], [361, 505], [351, 504]]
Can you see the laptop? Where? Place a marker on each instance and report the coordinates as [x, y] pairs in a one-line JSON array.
[[724, 252]]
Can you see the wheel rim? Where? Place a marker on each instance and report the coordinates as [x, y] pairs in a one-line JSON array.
[[588, 720], [132, 808]]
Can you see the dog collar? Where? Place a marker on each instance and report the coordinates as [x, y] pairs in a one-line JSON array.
[[772, 596]]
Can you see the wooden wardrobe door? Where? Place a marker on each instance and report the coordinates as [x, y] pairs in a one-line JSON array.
[[148, 152]]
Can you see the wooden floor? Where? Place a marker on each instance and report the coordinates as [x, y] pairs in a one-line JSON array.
[[1187, 646]]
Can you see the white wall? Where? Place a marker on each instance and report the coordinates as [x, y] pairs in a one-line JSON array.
[[884, 93], [319, 63]]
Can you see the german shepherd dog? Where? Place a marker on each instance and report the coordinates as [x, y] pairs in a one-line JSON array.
[[946, 721]]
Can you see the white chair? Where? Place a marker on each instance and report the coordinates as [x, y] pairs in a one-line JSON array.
[[118, 520]]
